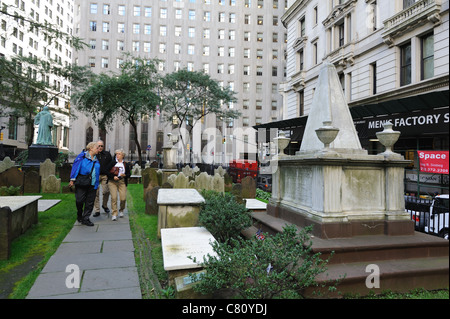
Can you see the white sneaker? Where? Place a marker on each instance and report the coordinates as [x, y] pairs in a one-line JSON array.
[[114, 218], [120, 214]]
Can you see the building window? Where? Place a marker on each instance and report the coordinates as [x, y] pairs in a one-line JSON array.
[[341, 33], [105, 44], [427, 61], [373, 77], [259, 70], [191, 15], [120, 45], [301, 58], [92, 62], [315, 53], [106, 9], [135, 45], [92, 44], [94, 8], [258, 104], [302, 27], [274, 105], [105, 63], [260, 20], [316, 16], [93, 25], [301, 103], [105, 26], [137, 11], [12, 127], [274, 71], [372, 19], [121, 10], [405, 64]]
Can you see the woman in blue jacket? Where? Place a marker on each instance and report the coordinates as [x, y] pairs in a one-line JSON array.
[[86, 163]]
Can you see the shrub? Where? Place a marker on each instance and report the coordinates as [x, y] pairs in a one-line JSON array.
[[263, 195], [280, 266], [223, 216], [10, 191]]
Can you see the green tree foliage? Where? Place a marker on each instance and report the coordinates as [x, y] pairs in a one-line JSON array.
[[126, 97], [280, 266], [188, 96]]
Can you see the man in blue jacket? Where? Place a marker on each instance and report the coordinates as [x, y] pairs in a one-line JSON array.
[[84, 164]]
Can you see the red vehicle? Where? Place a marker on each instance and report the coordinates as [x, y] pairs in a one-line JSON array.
[[239, 169]]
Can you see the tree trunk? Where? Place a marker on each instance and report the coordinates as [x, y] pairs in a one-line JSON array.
[[29, 123], [136, 140]]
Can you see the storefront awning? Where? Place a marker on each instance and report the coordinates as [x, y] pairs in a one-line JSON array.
[[422, 102]]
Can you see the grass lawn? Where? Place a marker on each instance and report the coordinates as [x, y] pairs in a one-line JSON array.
[[31, 251]]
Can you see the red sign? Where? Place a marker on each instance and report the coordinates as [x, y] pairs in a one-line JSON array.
[[433, 161]]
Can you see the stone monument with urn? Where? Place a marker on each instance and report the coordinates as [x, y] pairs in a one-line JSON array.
[[331, 182]]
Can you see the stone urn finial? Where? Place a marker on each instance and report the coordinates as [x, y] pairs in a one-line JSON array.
[[327, 134], [388, 137], [282, 142]]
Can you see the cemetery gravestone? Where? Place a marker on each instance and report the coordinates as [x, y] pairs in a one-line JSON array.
[[248, 187]]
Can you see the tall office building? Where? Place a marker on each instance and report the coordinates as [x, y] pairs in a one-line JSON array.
[[238, 43], [17, 39]]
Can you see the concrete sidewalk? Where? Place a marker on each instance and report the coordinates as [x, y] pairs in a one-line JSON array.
[[100, 258]]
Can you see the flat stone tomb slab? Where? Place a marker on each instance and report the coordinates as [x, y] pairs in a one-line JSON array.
[[179, 196], [17, 202], [252, 203], [45, 204], [180, 243]]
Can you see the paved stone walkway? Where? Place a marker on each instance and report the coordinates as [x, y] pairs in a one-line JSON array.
[[104, 256]]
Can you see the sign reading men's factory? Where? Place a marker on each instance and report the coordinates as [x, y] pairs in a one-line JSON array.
[[409, 124]]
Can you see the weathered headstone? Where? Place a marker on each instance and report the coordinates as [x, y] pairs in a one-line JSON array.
[[171, 179], [151, 201], [150, 176], [12, 177], [180, 181], [191, 184], [187, 171], [46, 169], [228, 181], [51, 184], [6, 164], [136, 170], [220, 170], [203, 181], [64, 172], [248, 187], [32, 182], [217, 183]]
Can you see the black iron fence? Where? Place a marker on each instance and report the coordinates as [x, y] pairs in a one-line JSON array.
[[430, 216]]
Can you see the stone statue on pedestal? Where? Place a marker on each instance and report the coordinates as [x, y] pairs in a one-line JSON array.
[[45, 121]]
